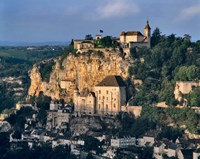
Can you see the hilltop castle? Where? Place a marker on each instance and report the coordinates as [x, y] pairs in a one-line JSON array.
[[127, 40], [133, 39]]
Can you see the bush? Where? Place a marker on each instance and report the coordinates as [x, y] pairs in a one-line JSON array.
[[45, 70]]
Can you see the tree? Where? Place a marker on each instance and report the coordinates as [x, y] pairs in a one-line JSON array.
[[88, 37], [156, 37], [43, 102], [193, 73], [194, 97], [91, 143], [106, 42], [189, 73]]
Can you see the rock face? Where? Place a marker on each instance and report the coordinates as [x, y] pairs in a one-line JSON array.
[[85, 71], [184, 88]]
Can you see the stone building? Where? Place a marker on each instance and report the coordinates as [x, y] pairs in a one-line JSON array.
[[58, 116], [108, 97], [129, 39], [132, 39], [84, 103], [123, 142], [83, 44]]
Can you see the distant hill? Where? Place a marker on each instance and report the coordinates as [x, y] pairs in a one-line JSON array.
[[51, 43]]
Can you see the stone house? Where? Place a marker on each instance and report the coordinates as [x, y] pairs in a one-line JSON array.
[[58, 116], [84, 103], [185, 154], [158, 150], [64, 141], [123, 142], [85, 44], [172, 150], [55, 104], [196, 154]]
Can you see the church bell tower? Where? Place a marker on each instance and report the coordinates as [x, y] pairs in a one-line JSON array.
[[147, 33]]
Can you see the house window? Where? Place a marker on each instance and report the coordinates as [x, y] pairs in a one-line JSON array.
[[106, 92], [106, 98], [99, 106], [114, 105], [106, 106], [103, 97], [99, 91], [99, 98]]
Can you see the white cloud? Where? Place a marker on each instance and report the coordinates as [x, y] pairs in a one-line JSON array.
[[190, 12], [115, 8]]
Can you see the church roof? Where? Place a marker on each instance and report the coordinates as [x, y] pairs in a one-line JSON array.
[[115, 81], [131, 33]]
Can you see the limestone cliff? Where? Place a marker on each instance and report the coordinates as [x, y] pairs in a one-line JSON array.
[[85, 70]]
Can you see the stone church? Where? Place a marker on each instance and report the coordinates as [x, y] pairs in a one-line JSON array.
[[108, 97]]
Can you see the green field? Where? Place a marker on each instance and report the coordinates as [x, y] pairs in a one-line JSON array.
[[20, 53]]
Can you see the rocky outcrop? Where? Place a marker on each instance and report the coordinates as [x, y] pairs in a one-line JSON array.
[[85, 71], [184, 88]]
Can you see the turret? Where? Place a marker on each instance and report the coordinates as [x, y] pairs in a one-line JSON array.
[[147, 30], [147, 33]]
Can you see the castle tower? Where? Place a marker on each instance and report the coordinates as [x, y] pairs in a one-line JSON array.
[[147, 33]]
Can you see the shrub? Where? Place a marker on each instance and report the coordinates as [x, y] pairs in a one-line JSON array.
[[45, 70]]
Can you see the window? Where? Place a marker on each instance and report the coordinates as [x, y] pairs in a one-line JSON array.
[[99, 91], [106, 98], [114, 105], [103, 97], [99, 98], [106, 92], [99, 106]]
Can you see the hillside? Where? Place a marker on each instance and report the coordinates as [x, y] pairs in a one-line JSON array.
[[169, 60]]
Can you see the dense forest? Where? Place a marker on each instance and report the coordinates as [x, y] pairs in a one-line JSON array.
[[169, 60]]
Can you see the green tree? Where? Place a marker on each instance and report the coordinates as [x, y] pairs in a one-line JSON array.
[[156, 37], [194, 97], [88, 37], [43, 102]]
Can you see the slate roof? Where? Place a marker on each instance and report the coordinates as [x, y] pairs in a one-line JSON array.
[[187, 153], [172, 146], [130, 33], [113, 81]]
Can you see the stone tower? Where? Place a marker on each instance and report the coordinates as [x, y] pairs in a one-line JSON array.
[[147, 33]]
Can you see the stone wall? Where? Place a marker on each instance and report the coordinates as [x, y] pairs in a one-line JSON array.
[[135, 110]]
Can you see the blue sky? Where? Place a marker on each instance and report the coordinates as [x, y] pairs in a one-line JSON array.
[[62, 20]]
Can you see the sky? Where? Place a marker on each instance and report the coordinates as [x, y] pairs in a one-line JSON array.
[[63, 20]]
